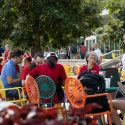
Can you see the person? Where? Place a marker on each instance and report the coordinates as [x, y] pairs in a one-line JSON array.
[[10, 75], [38, 60], [121, 65], [6, 52], [117, 105], [98, 52], [1, 51], [1, 64], [82, 50], [54, 70], [93, 82], [123, 56], [107, 50], [73, 51], [26, 68], [91, 60], [67, 56]]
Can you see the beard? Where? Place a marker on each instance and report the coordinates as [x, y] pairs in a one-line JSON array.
[[52, 62]]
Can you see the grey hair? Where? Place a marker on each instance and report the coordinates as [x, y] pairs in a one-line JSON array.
[[90, 53]]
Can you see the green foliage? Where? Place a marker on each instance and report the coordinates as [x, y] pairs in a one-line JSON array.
[[30, 23], [115, 21]]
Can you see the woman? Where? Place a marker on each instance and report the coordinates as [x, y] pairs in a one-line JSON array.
[[53, 70], [25, 69], [91, 59], [93, 82]]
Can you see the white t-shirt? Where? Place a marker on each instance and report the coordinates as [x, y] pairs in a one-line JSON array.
[[98, 53], [123, 62]]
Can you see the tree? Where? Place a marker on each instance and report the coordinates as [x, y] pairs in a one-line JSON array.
[[115, 20], [36, 23]]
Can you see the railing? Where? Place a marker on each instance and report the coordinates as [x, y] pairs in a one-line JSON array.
[[112, 55]]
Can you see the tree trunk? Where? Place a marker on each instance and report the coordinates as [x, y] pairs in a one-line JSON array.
[[36, 44], [36, 48]]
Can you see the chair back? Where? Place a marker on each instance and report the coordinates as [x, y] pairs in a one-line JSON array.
[[121, 87], [75, 92], [2, 92], [114, 75], [32, 90], [76, 95], [46, 87]]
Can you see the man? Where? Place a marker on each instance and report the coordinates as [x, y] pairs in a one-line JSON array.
[[73, 51], [53, 70], [10, 75], [98, 52], [82, 50], [38, 60]]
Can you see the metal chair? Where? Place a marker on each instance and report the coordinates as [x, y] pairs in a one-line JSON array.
[[2, 93], [121, 90], [76, 95], [75, 92], [46, 87], [32, 90], [20, 91], [114, 75]]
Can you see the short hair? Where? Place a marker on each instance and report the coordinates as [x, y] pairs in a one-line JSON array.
[[41, 55], [28, 59], [82, 43], [88, 54], [16, 53], [7, 45], [1, 59]]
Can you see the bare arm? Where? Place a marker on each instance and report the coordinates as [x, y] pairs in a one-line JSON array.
[[100, 60], [11, 80], [63, 83]]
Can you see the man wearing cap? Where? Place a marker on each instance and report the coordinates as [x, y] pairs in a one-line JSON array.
[[53, 70]]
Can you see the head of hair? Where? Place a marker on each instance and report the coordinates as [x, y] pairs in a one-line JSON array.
[[1, 59], [16, 53], [88, 54], [28, 59], [95, 45], [82, 43], [7, 45], [38, 54]]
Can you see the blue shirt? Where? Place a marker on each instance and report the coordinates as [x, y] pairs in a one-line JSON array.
[[9, 69]]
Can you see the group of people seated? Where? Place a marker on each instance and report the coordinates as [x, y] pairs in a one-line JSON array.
[[13, 75]]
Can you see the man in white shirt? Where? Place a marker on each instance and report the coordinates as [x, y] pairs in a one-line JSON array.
[[98, 52]]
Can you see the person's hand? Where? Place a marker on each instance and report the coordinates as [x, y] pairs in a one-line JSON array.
[[118, 65]]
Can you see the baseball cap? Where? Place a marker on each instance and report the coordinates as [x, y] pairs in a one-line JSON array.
[[51, 54]]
